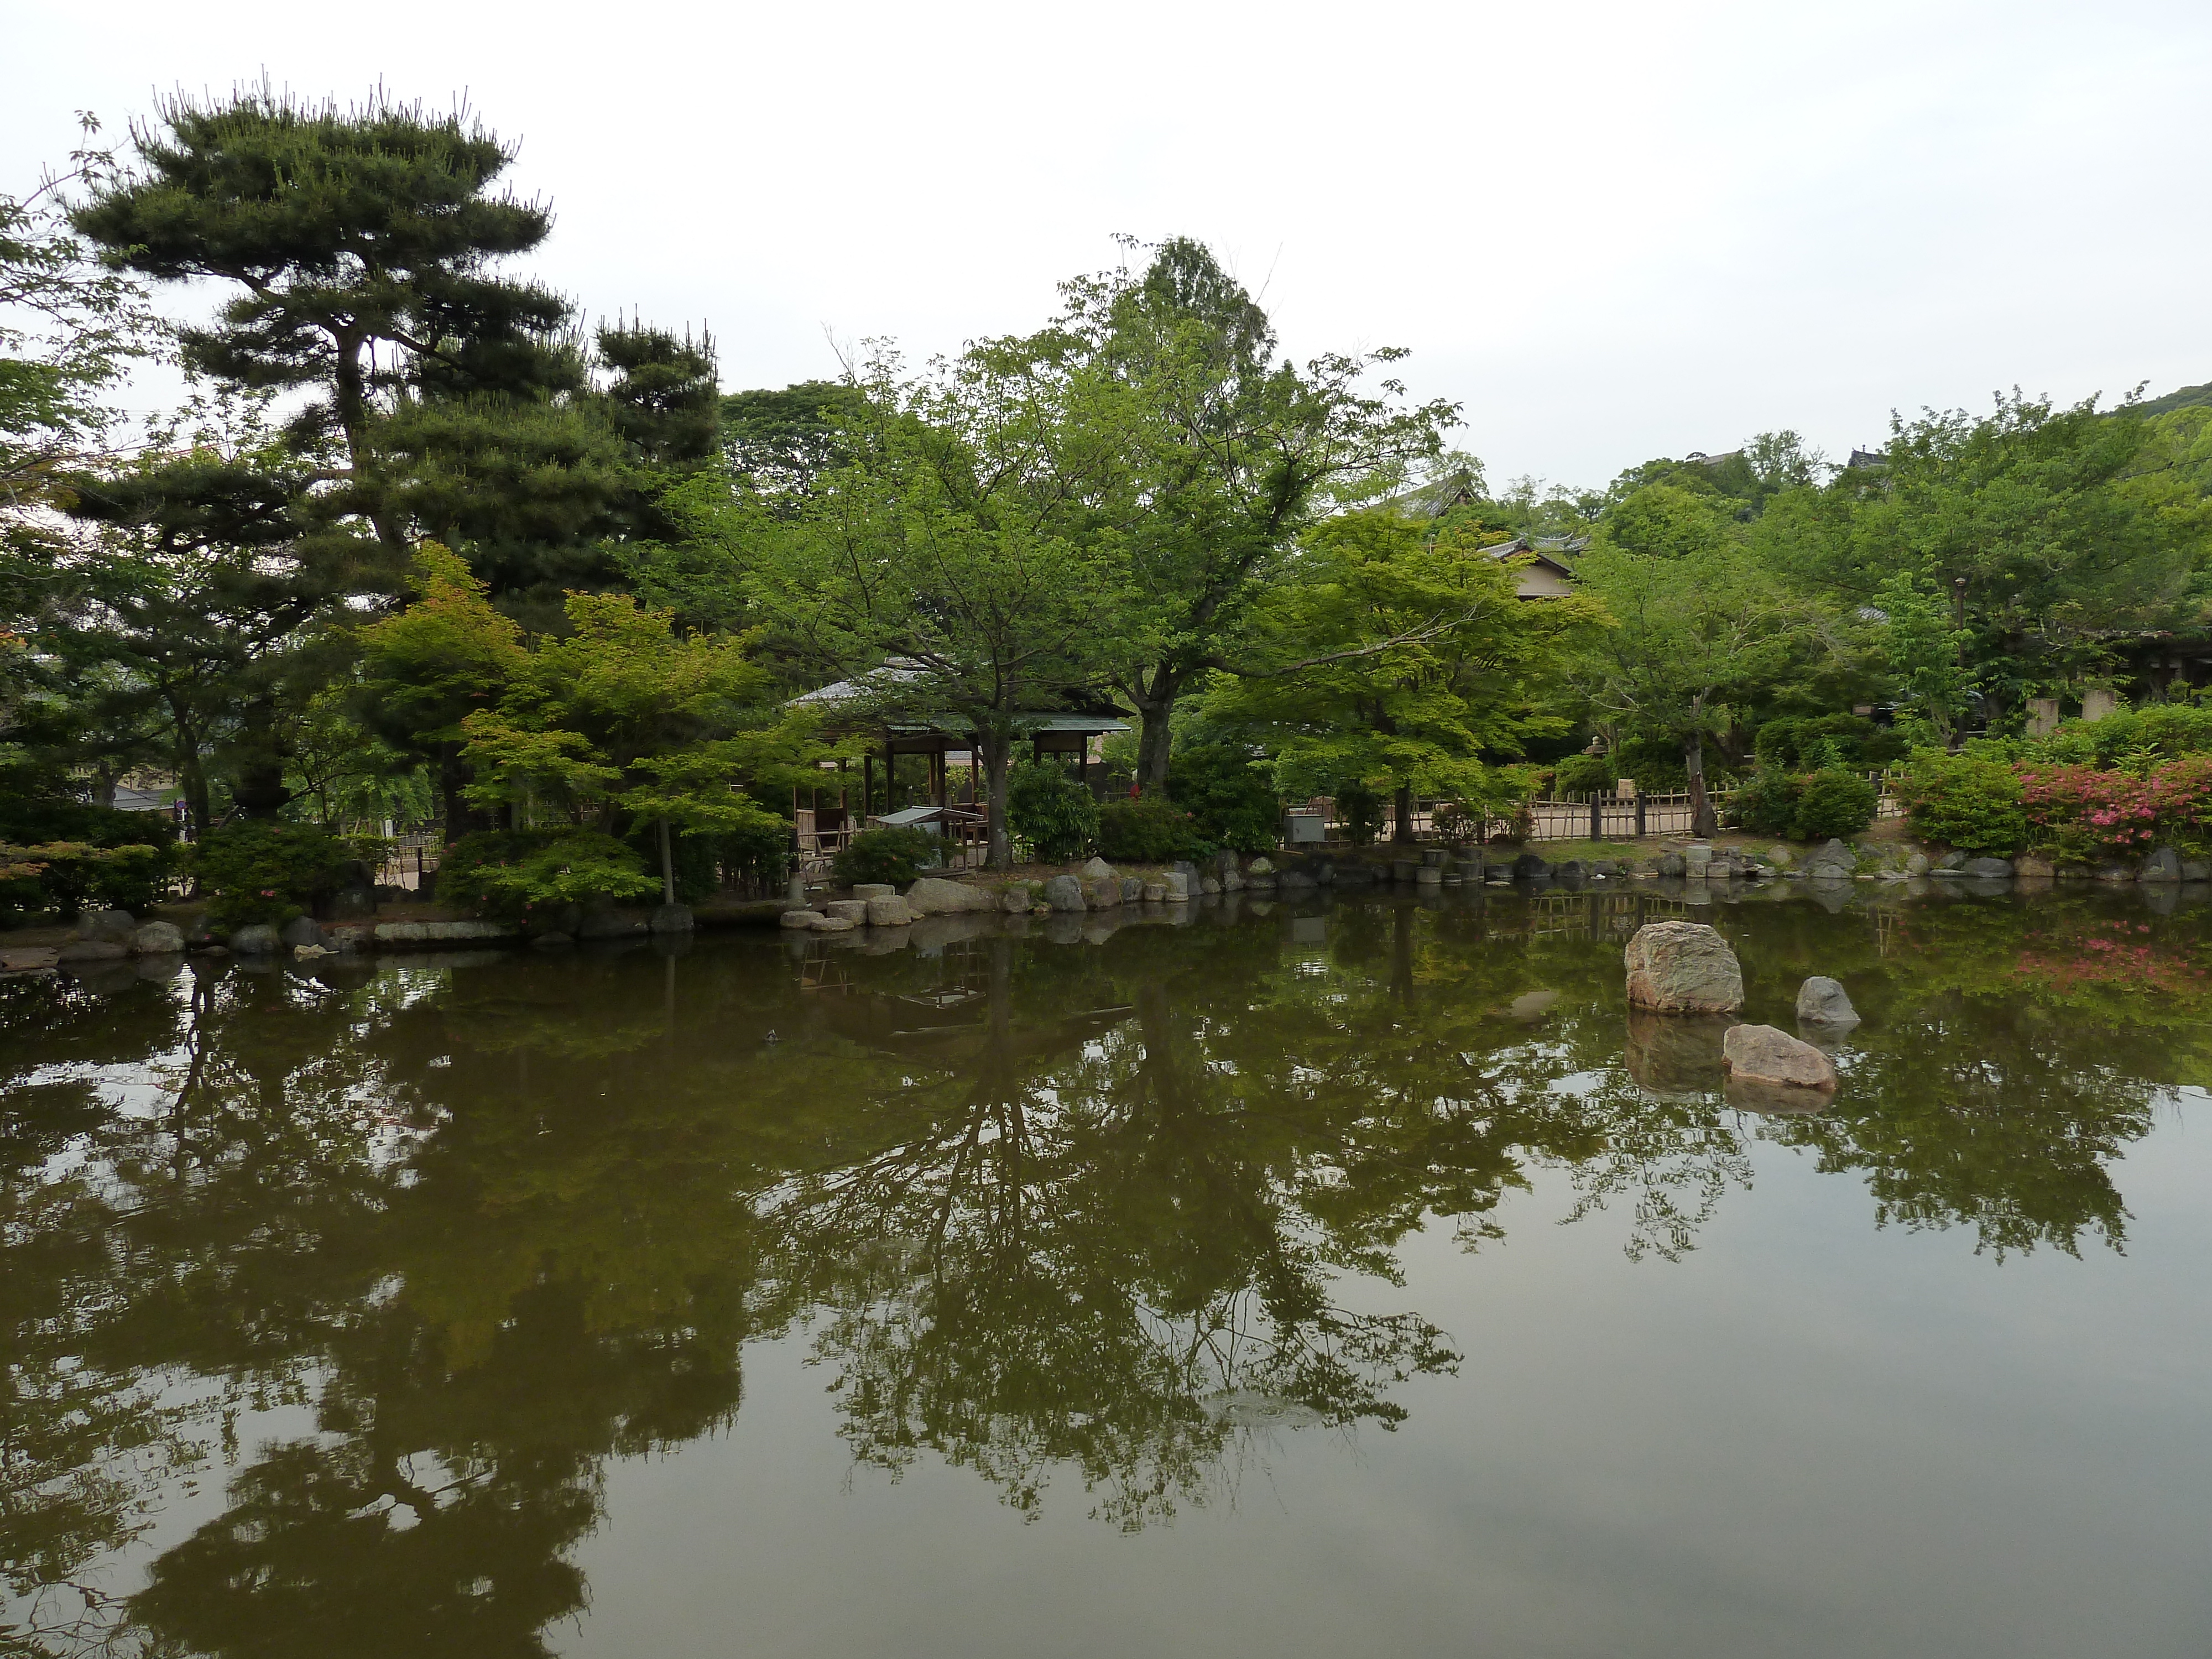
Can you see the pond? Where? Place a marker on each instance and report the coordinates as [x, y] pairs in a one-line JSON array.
[[1312, 1278]]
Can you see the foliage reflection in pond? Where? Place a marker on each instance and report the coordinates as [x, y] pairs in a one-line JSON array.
[[1055, 1210]]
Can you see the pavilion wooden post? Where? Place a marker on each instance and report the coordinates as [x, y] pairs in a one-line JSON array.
[[867, 784]]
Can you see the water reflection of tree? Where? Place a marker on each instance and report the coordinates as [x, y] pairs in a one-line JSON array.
[[2007, 1069], [1079, 1210], [1088, 1262]]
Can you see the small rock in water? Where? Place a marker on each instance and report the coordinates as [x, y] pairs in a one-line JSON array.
[[1759, 1054], [1821, 1001], [804, 918]]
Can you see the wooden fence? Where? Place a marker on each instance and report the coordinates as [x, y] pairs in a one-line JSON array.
[[1585, 818]]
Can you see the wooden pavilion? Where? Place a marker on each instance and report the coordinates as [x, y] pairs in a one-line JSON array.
[[828, 816]]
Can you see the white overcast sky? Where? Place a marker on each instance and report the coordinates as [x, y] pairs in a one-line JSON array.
[[1612, 231]]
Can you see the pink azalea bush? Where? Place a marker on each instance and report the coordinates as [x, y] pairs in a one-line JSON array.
[[2083, 814]]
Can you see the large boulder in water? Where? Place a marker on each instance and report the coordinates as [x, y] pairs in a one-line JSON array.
[[256, 939], [1759, 1054], [2163, 865], [1064, 893], [1683, 968]]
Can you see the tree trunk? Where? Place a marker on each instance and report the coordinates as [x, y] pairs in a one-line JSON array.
[[1402, 831], [667, 866], [455, 775], [1703, 820], [995, 747], [198, 804], [258, 785], [1155, 703]]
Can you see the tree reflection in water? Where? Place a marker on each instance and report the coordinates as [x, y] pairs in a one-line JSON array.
[[1054, 1212]]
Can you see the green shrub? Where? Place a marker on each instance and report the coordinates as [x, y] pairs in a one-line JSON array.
[[1146, 830], [1656, 764], [1766, 804], [1359, 813], [266, 869], [123, 861], [1816, 742], [1584, 775], [505, 872], [761, 851], [2165, 731], [1231, 802], [1967, 802], [1835, 803], [1047, 807], [895, 853]]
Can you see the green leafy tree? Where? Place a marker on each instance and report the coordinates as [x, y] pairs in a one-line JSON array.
[[946, 568], [1401, 663], [1699, 624], [449, 653], [1926, 653], [624, 723], [2047, 532], [202, 590], [1225, 451]]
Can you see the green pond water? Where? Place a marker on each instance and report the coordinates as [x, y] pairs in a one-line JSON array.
[[1351, 1277]]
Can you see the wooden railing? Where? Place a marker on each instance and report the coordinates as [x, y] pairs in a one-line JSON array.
[[1581, 817]]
